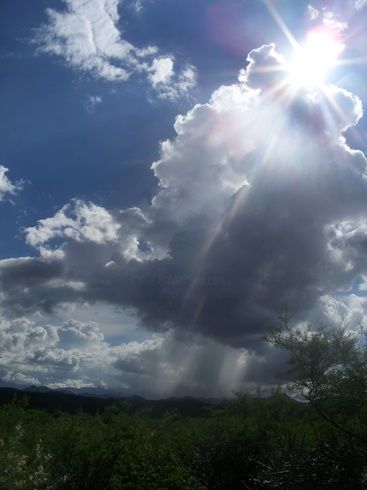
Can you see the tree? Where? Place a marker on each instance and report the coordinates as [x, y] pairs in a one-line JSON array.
[[329, 370]]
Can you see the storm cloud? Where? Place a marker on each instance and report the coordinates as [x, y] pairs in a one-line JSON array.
[[260, 207]]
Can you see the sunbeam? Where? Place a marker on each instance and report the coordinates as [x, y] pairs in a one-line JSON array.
[[313, 61]]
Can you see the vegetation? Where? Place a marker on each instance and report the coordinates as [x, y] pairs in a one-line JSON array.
[[246, 443]]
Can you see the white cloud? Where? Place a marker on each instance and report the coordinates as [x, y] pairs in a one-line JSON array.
[[6, 186], [187, 79], [92, 101], [86, 222], [78, 221], [359, 4], [331, 18], [137, 5], [348, 311], [50, 354], [312, 12], [334, 22], [363, 285], [87, 36], [161, 71], [167, 83]]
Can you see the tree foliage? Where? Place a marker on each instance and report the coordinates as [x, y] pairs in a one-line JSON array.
[[329, 370]]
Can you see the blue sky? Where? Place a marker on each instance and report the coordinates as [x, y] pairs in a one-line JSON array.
[[160, 279]]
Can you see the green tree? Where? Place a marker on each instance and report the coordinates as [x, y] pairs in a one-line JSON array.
[[329, 370]]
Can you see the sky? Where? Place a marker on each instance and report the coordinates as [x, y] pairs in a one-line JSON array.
[[174, 175]]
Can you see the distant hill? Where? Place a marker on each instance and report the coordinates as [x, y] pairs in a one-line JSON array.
[[73, 401], [46, 399]]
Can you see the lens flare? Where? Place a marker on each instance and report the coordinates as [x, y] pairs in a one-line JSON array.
[[313, 61]]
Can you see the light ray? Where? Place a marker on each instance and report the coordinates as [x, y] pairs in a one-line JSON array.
[[286, 96], [338, 110], [273, 12], [360, 60], [323, 53]]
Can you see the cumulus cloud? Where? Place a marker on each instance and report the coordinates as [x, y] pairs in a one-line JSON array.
[[80, 221], [53, 355], [87, 37], [347, 310], [260, 206], [6, 186], [75, 354]]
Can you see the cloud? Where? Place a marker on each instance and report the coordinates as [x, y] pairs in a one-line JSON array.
[[260, 206], [359, 4], [137, 5], [79, 221], [87, 37], [347, 311], [333, 19], [161, 71], [162, 75], [178, 365], [312, 12], [51, 354], [75, 354], [92, 101], [6, 186]]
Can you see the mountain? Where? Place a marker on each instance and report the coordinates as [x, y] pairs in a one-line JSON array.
[[38, 389], [52, 400]]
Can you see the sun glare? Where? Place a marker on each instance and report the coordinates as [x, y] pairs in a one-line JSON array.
[[313, 61]]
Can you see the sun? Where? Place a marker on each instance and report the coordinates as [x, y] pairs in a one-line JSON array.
[[313, 61]]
